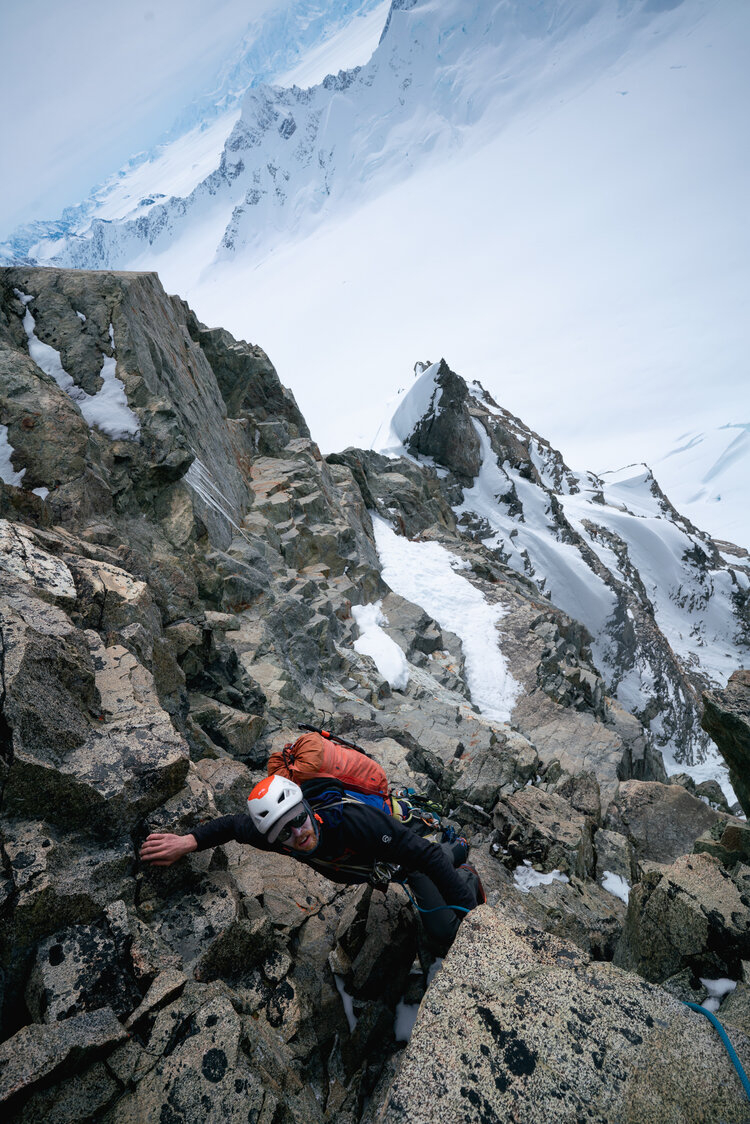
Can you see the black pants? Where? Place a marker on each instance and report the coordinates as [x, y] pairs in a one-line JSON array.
[[439, 920]]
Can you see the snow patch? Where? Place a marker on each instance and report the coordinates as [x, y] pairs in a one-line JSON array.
[[428, 575], [108, 409], [526, 878], [346, 999], [408, 409], [717, 990], [8, 474], [617, 885], [379, 646], [406, 1013]]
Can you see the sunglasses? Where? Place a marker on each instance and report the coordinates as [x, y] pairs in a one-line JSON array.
[[288, 828]]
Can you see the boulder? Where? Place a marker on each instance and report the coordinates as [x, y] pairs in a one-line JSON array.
[[693, 914], [22, 556], [232, 729], [109, 599], [711, 793], [545, 829], [503, 767], [48, 675], [75, 771], [168, 985], [730, 846], [735, 1008], [582, 792], [198, 917], [543, 1034], [576, 911], [40, 1054], [726, 717], [229, 780], [615, 855], [62, 878], [662, 821], [402, 766], [84, 1096], [201, 1074], [81, 969]]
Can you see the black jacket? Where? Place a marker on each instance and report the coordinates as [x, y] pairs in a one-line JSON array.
[[349, 849]]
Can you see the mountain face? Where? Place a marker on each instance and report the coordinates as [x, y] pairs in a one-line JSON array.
[[666, 608], [183, 580], [437, 75], [192, 146]]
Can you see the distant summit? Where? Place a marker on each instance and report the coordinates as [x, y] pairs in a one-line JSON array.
[[664, 605]]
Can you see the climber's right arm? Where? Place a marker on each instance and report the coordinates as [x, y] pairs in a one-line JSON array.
[[163, 848]]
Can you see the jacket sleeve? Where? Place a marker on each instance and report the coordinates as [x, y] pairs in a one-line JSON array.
[[385, 839], [221, 830]]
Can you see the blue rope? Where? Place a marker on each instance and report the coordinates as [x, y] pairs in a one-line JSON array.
[[458, 908], [729, 1047]]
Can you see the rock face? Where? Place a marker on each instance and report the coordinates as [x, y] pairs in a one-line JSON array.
[[544, 1034], [661, 821], [693, 914], [726, 717], [178, 566]]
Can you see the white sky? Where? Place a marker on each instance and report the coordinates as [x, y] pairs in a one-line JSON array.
[[85, 84]]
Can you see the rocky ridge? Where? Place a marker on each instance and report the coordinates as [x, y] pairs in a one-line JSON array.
[[665, 608], [174, 601]]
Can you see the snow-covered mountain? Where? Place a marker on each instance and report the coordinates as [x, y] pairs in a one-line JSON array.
[[293, 39], [442, 77], [706, 476], [666, 608], [531, 189]]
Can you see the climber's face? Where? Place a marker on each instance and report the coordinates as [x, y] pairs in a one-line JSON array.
[[302, 838]]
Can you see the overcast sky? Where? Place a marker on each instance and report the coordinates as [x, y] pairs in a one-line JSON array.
[[86, 83]]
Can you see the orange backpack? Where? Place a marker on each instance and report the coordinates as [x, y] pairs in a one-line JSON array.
[[316, 755]]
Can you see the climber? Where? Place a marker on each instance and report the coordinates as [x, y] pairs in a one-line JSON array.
[[347, 841]]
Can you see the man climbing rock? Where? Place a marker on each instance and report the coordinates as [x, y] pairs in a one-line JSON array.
[[348, 841]]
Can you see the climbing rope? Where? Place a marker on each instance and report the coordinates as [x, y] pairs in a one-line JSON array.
[[728, 1045]]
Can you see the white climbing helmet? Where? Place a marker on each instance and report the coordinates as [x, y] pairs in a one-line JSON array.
[[274, 802]]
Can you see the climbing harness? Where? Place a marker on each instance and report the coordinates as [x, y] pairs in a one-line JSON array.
[[458, 908], [727, 1044]]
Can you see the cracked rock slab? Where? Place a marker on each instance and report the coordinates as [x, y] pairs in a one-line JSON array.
[[201, 1075], [117, 769], [40, 1053], [22, 557], [543, 1034], [691, 914]]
